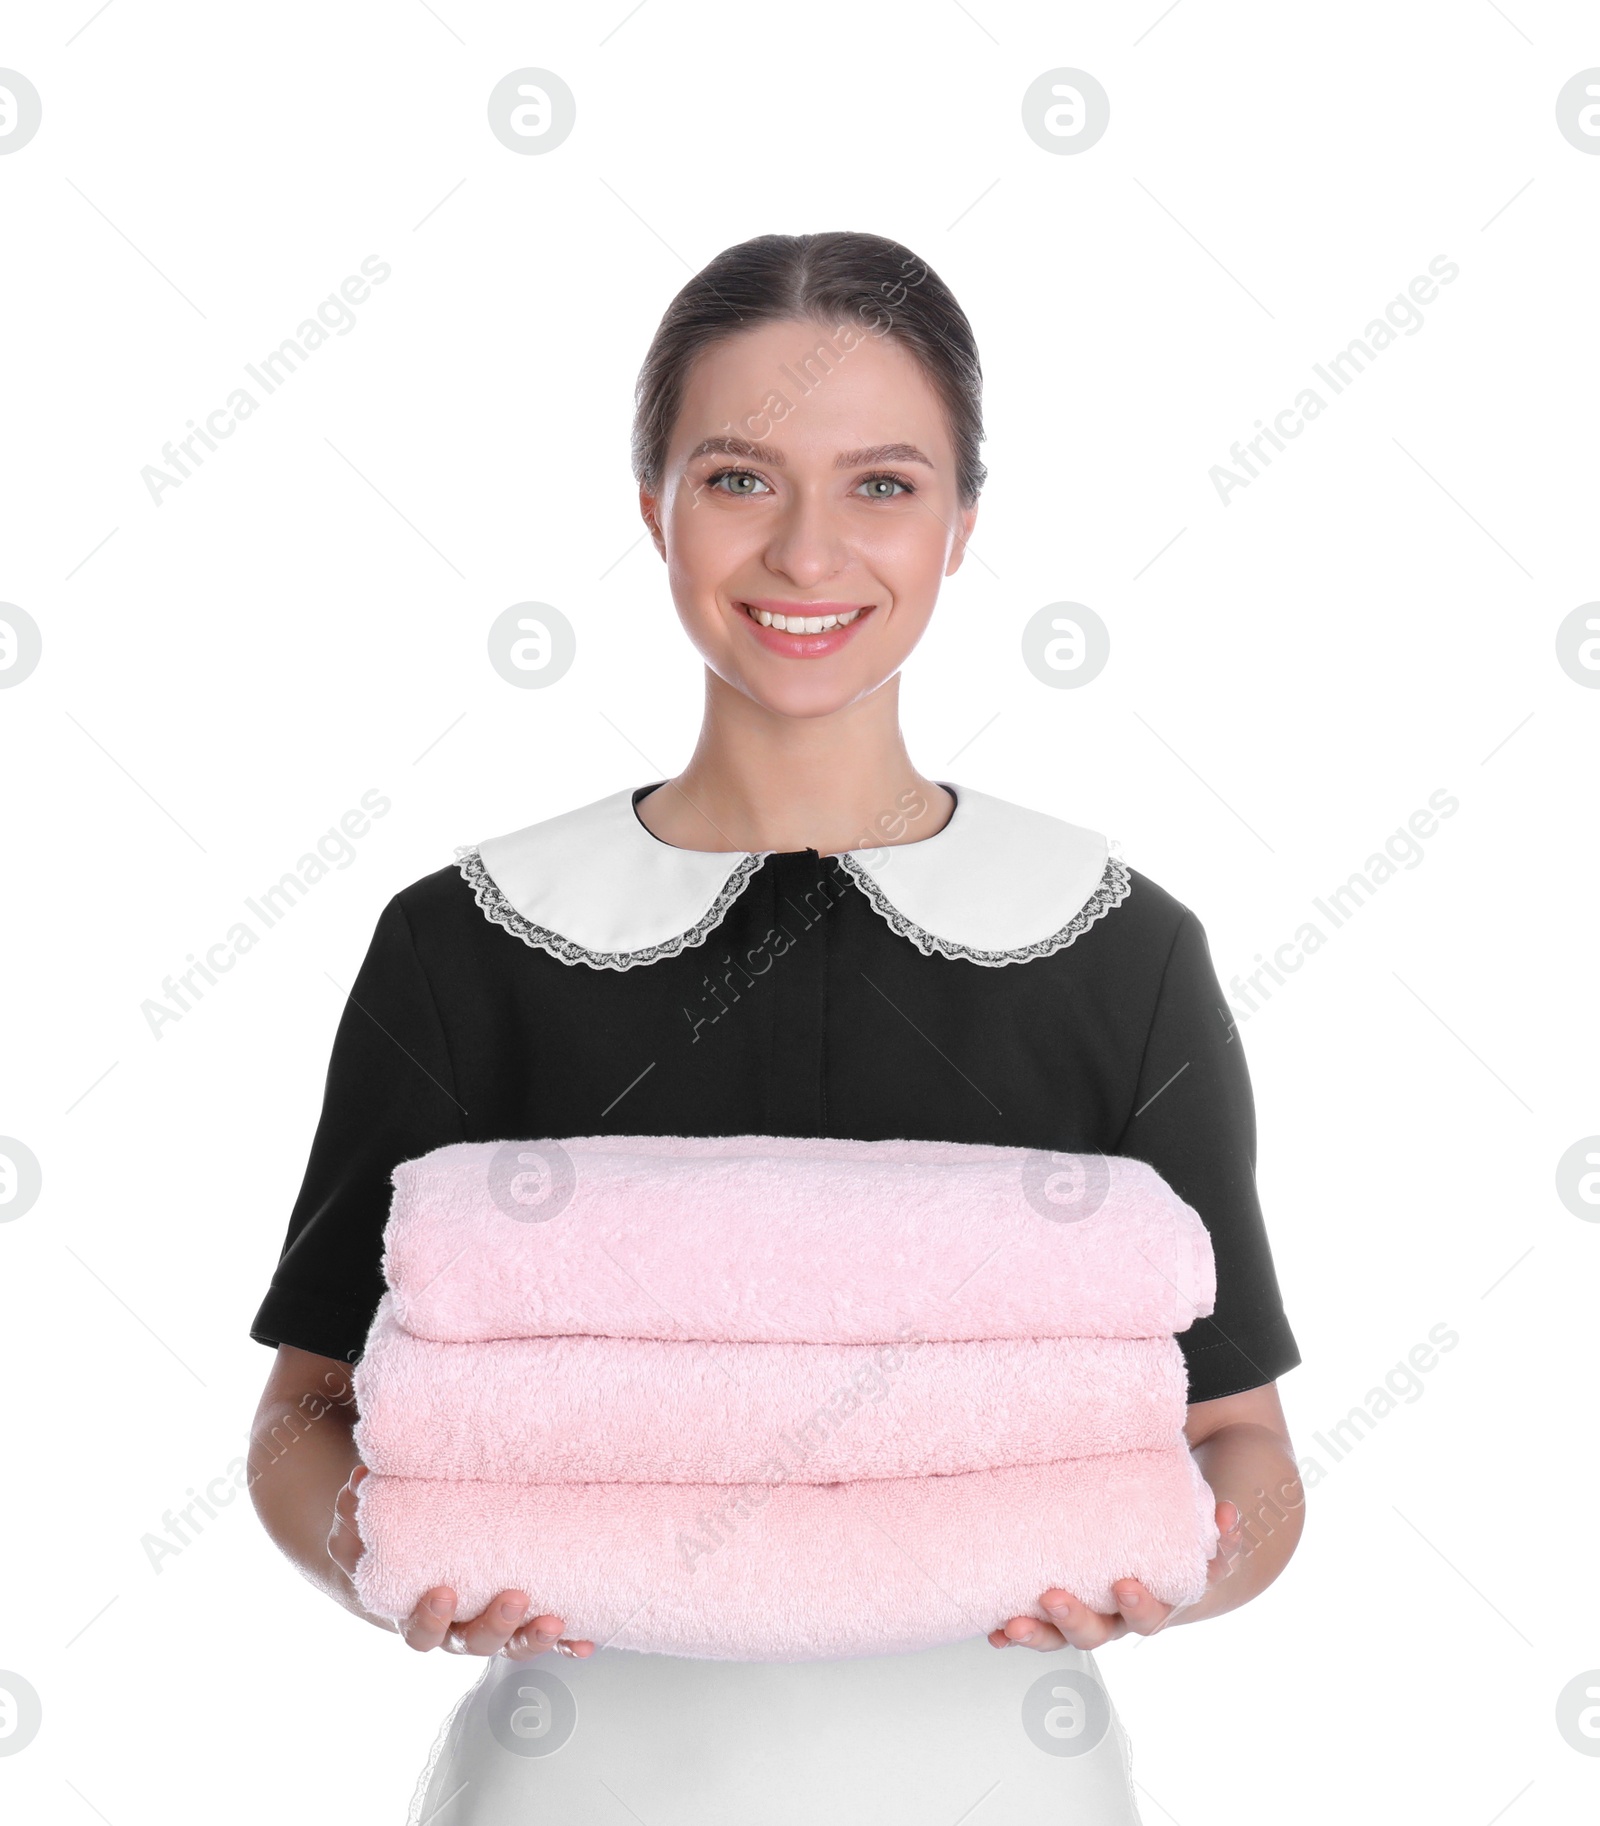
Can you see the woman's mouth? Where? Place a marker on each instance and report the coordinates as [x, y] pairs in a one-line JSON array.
[[803, 630]]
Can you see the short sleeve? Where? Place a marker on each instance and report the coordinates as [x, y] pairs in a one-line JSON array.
[[1193, 1120], [390, 1095]]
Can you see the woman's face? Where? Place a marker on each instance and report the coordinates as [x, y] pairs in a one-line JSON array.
[[810, 477]]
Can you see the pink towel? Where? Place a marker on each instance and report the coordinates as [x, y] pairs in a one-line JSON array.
[[644, 1410], [637, 1377], [768, 1239], [794, 1572]]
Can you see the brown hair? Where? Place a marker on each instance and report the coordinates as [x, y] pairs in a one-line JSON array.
[[827, 279]]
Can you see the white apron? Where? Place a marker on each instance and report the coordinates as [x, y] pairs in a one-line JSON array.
[[946, 1736]]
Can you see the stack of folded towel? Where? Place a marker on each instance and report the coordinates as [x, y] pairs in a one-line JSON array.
[[772, 1399]]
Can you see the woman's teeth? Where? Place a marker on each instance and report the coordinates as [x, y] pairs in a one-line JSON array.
[[801, 624]]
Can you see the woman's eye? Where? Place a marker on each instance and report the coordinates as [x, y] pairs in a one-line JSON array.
[[879, 487], [746, 483], [735, 475]]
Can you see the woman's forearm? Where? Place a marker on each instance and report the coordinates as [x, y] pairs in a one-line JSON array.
[[302, 1451], [1253, 1468]]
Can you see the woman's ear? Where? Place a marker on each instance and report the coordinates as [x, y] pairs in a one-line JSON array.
[[965, 521], [648, 507]]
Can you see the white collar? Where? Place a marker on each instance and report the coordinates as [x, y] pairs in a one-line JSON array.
[[999, 884]]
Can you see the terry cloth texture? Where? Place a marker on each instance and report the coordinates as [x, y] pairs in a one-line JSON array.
[[794, 1572], [774, 1239], [768, 1398], [642, 1410]]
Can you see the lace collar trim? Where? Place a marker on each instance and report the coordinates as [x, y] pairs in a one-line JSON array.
[[1000, 884]]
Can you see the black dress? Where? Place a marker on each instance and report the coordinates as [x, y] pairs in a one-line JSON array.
[[788, 994], [1008, 980]]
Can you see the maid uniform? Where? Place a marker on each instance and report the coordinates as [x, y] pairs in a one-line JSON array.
[[1008, 980]]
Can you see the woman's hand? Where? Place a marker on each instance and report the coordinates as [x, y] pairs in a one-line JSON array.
[[1074, 1625], [504, 1628]]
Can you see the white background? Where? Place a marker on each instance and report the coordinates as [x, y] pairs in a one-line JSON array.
[[1372, 619]]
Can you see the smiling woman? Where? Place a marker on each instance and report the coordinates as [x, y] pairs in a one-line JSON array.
[[800, 934], [807, 542]]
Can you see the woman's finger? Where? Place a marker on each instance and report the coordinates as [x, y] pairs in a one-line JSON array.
[[1230, 1543], [1080, 1626], [494, 1626], [541, 1634], [535, 1637], [429, 1623], [1026, 1632], [344, 1536], [1143, 1614]]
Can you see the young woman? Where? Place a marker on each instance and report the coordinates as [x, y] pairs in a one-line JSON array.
[[800, 934]]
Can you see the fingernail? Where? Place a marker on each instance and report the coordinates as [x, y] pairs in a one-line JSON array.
[[510, 1612], [439, 1607], [1127, 1599]]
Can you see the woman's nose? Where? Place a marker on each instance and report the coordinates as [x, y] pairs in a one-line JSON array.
[[808, 544]]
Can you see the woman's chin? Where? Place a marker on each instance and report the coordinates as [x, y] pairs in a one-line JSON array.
[[800, 691]]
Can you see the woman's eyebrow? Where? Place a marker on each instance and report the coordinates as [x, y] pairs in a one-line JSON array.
[[846, 459], [881, 453]]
